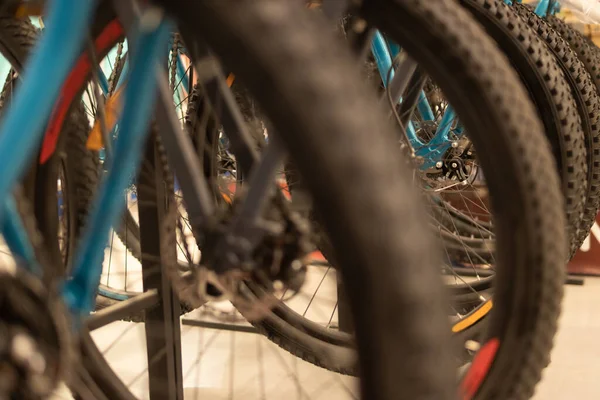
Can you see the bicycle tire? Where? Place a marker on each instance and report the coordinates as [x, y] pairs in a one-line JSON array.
[[525, 295], [315, 106], [549, 91], [106, 377], [535, 197], [534, 152], [299, 344], [587, 52], [588, 104]]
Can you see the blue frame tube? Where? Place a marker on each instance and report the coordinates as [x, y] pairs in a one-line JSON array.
[[388, 50], [382, 57], [424, 108], [16, 238], [103, 81], [433, 151], [542, 8], [440, 143], [80, 291], [384, 64]]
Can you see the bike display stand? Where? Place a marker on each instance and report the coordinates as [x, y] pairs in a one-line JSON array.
[[206, 320], [163, 335]]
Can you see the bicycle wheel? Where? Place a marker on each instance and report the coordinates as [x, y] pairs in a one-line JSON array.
[[462, 16], [588, 105], [527, 370], [507, 366], [587, 52], [551, 94], [322, 111], [290, 329]]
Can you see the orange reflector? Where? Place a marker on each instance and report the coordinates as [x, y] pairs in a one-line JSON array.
[[112, 111], [230, 80], [473, 317]]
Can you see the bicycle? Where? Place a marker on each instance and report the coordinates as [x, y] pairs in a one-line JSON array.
[[79, 292], [315, 352]]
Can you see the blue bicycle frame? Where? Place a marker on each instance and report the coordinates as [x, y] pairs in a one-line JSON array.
[[543, 7], [21, 131], [433, 151]]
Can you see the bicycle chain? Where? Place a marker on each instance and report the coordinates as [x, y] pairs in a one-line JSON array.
[[113, 79]]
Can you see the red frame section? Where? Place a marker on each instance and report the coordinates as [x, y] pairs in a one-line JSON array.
[[76, 79]]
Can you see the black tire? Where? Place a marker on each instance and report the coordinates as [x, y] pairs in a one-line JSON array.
[[81, 172], [80, 165], [529, 278], [129, 234], [522, 199], [297, 343], [588, 104], [314, 107], [304, 341], [587, 52], [550, 92]]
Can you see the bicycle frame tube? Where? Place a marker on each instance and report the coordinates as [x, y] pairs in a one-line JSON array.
[[133, 128], [103, 81], [555, 7], [423, 106], [542, 8], [382, 57], [433, 151], [384, 66], [15, 235], [437, 146]]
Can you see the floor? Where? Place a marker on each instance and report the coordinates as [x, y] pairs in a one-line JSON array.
[[260, 370], [573, 373], [226, 365], [221, 364], [218, 364]]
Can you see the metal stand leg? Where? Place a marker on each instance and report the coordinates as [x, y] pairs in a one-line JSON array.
[[344, 315], [574, 280], [219, 325], [163, 336]]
